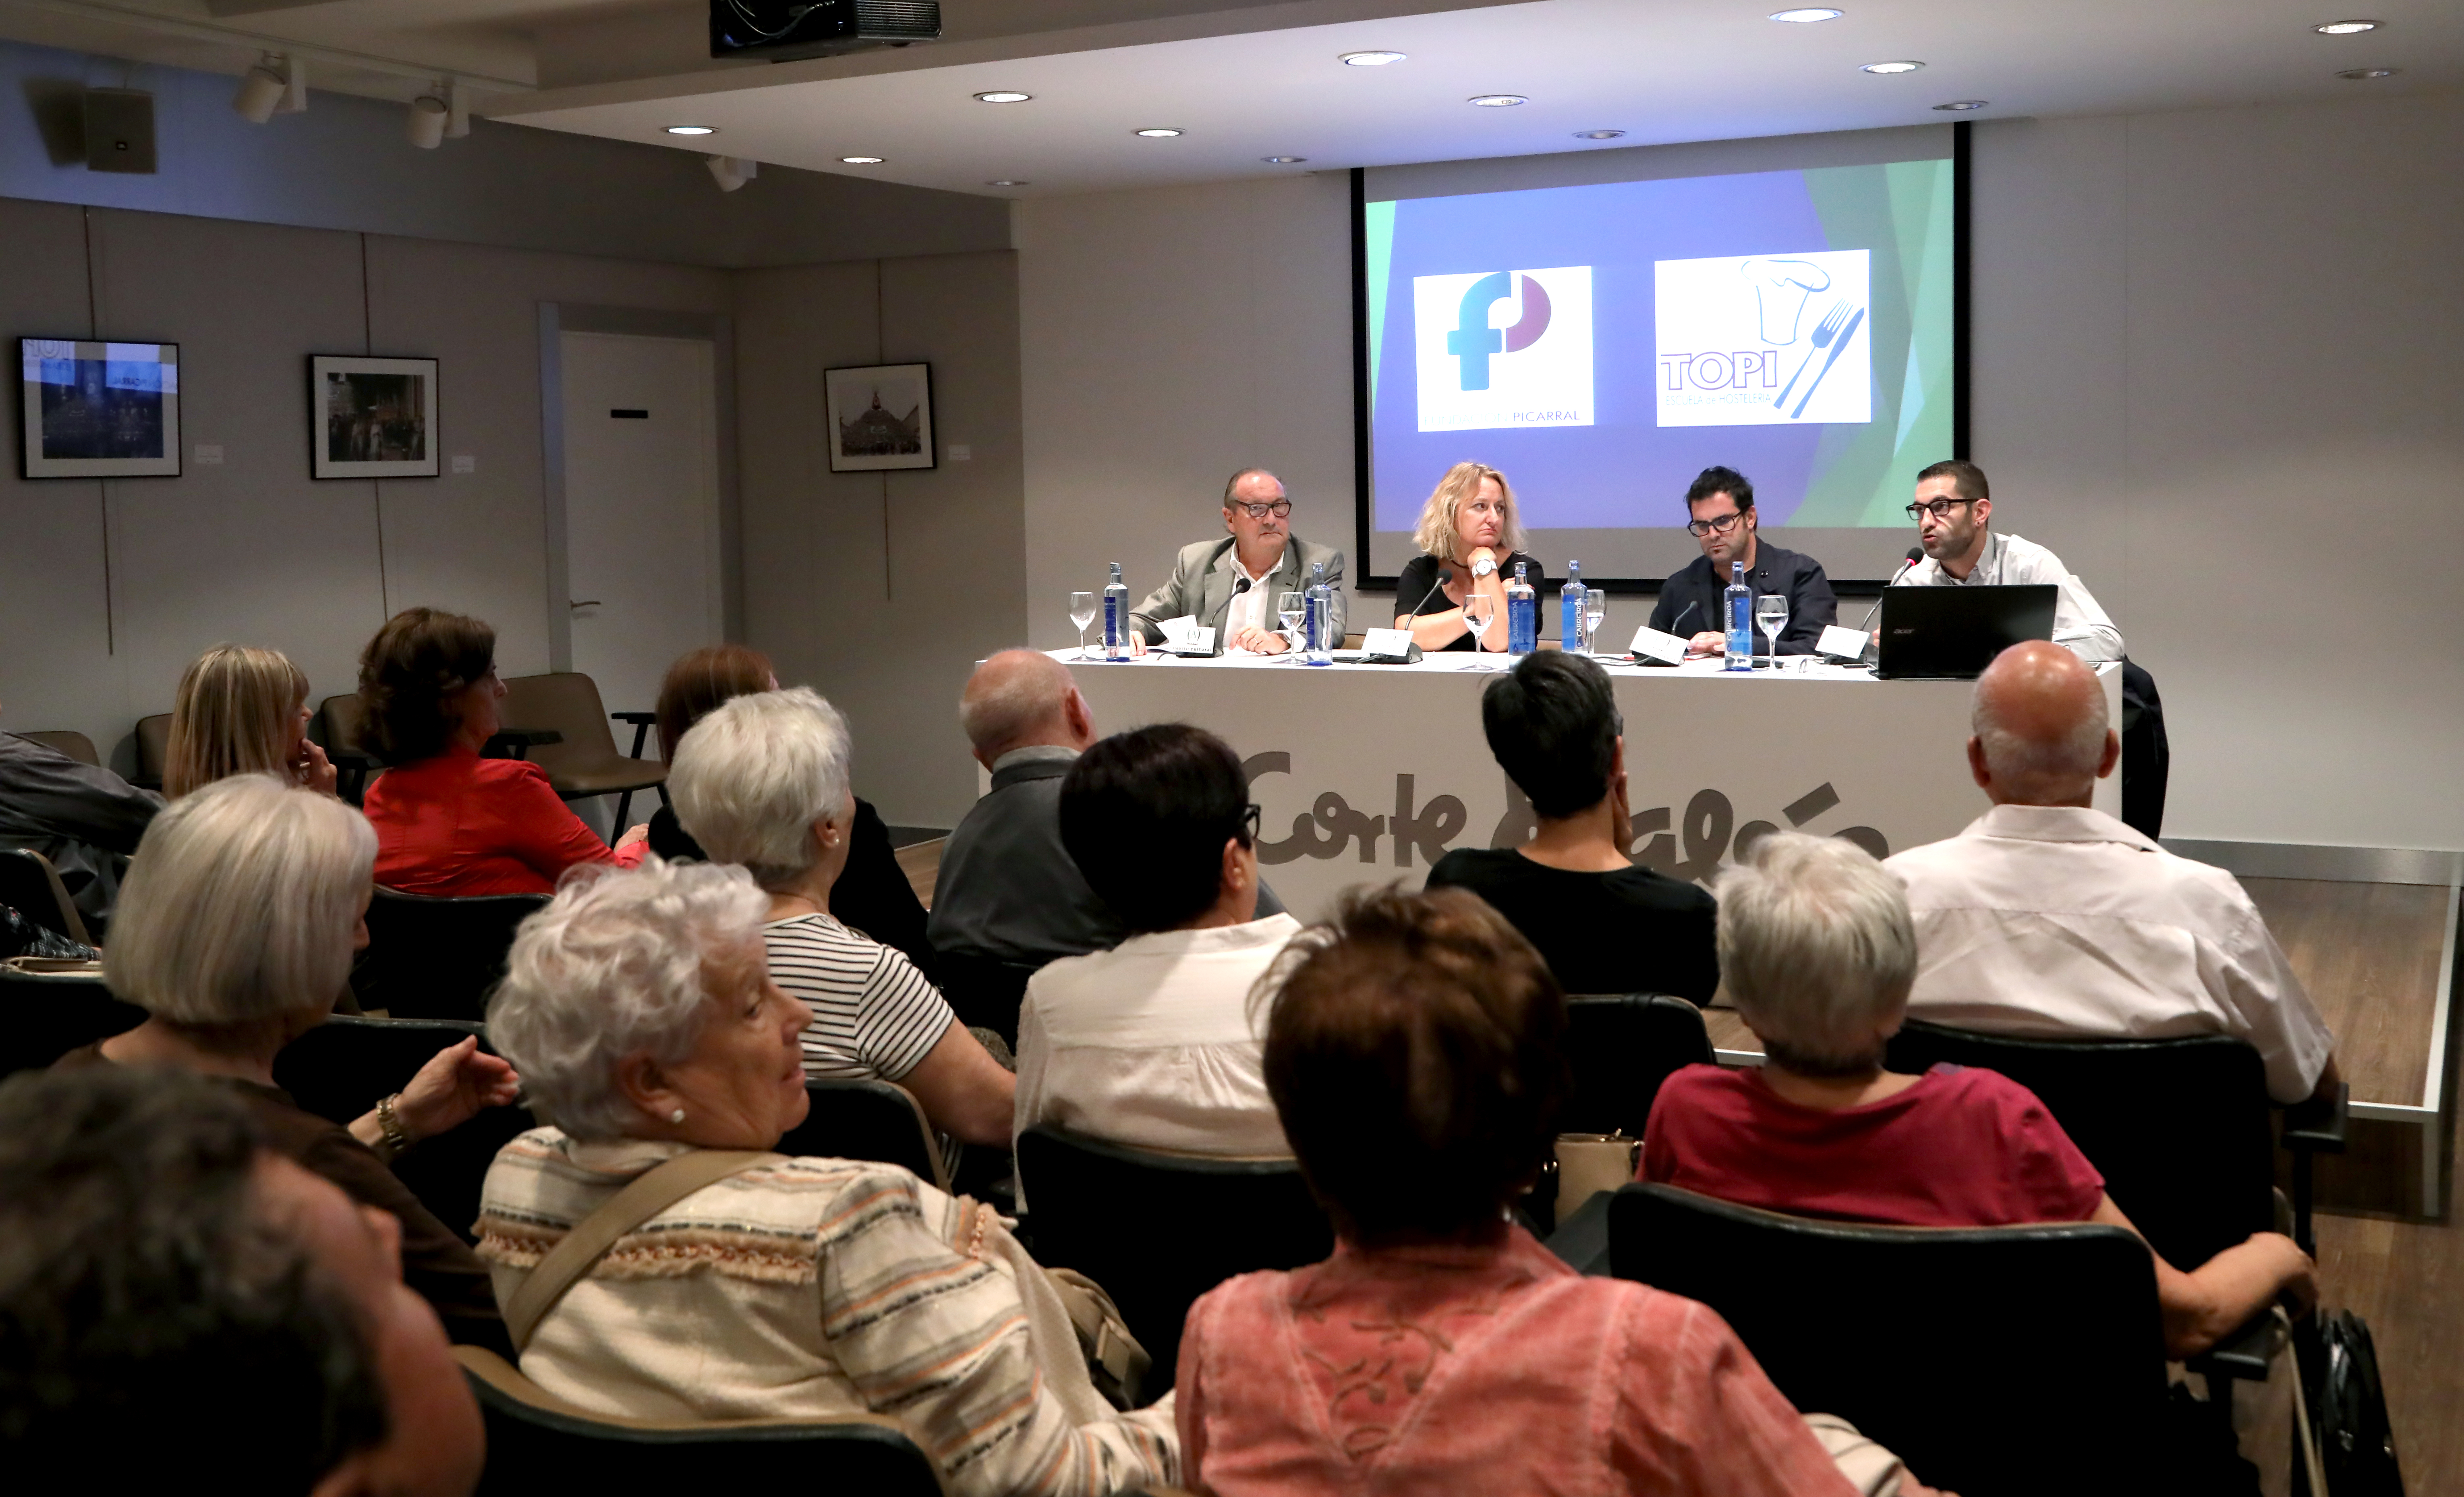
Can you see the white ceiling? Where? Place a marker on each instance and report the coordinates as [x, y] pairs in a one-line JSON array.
[[1249, 78]]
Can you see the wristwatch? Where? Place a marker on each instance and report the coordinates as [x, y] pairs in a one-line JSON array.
[[1483, 568], [395, 1138]]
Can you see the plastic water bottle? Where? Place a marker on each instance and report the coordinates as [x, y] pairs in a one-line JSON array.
[[1737, 611], [1522, 615], [1321, 617], [1116, 617], [1570, 600]]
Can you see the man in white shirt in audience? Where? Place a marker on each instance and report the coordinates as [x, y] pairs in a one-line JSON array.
[[2050, 918], [1953, 509], [1157, 1043], [1230, 583]]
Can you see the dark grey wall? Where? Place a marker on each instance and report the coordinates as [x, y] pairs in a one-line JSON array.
[[344, 165]]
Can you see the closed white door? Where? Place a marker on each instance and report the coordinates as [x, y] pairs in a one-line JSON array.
[[641, 504]]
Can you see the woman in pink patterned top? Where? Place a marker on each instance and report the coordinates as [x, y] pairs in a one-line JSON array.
[[1414, 1055]]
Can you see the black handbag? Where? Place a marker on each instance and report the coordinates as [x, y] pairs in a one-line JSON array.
[[2347, 1410]]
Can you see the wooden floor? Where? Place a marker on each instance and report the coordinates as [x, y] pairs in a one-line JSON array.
[[2369, 954]]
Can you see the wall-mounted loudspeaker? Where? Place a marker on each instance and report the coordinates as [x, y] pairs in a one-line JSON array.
[[118, 130]]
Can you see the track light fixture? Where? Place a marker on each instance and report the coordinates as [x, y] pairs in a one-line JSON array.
[[277, 85], [731, 172], [423, 125]]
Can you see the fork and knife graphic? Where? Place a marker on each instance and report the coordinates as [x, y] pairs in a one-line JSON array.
[[1839, 325]]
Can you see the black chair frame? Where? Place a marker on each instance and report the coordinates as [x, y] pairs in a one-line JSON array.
[[853, 1118]]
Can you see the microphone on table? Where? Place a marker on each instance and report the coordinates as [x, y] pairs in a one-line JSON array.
[[1444, 576], [1239, 585], [1916, 554], [1683, 614]]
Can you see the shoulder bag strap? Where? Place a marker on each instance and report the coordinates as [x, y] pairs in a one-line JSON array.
[[655, 1191]]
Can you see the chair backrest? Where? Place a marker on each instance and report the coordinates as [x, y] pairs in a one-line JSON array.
[[858, 1119], [1159, 1230], [339, 1070], [2178, 1127], [2004, 1361], [338, 722], [1621, 1048], [45, 1016], [537, 1443], [568, 702], [76, 745], [32, 887], [153, 749], [436, 958], [985, 992]]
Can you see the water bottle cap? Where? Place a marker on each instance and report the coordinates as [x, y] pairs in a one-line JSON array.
[[1518, 570]]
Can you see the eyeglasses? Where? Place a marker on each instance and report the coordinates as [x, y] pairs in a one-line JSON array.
[[1938, 509], [1251, 815], [1281, 509], [1723, 525]]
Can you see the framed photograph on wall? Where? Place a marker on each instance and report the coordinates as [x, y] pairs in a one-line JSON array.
[[881, 417], [97, 409], [371, 418]]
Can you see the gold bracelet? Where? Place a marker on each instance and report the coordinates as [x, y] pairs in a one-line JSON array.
[[397, 1137]]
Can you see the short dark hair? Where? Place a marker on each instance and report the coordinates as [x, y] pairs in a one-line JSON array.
[[1721, 480], [1967, 479], [1145, 814], [152, 1323], [419, 658], [1416, 1053], [1552, 723]]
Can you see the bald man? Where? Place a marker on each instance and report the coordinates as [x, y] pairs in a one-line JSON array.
[[1008, 895], [2047, 917], [1230, 583]]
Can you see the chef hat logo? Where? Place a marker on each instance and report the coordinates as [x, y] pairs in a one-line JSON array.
[[1781, 288]]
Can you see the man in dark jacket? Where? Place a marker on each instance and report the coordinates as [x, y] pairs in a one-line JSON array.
[[85, 819], [1720, 510]]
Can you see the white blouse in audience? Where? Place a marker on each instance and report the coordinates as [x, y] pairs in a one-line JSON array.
[[874, 1015], [1155, 1044]]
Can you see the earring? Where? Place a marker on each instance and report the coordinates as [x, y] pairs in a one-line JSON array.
[[676, 1116]]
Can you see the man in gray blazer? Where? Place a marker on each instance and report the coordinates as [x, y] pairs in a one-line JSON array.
[[1230, 583]]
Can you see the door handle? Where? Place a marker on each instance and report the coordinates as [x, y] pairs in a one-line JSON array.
[[586, 602]]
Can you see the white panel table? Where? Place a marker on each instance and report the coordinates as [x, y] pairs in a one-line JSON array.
[[1369, 773]]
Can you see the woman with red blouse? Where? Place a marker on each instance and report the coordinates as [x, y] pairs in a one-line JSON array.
[[448, 820]]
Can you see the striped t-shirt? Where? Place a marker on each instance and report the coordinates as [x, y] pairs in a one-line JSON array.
[[874, 1015]]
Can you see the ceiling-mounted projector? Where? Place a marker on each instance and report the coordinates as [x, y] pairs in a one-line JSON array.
[[782, 30]]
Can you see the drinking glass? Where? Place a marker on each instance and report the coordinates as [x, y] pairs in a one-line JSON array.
[[1293, 608], [1081, 612], [1771, 616], [1595, 609], [1476, 610]]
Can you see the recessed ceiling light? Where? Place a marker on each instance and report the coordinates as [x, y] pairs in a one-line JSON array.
[[1004, 96], [2346, 28], [1808, 15], [1598, 135], [1961, 106], [1007, 181], [1282, 161], [1370, 59], [1891, 67], [693, 129], [1157, 133], [2370, 73], [861, 161], [1499, 101]]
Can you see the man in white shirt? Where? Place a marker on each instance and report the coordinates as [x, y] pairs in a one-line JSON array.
[[1231, 582], [1157, 1043], [1952, 508], [2047, 917]]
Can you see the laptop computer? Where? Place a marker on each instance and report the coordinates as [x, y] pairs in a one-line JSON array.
[[1953, 633]]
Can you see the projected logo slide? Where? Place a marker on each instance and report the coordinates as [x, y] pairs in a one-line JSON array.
[[1503, 348], [1762, 341]]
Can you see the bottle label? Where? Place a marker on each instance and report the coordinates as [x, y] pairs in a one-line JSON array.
[[1522, 624]]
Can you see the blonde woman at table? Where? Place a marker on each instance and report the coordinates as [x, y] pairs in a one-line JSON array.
[[1470, 536]]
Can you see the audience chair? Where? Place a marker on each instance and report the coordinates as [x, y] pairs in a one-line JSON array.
[[153, 750], [44, 1015], [32, 887], [1621, 1048], [340, 1069], [538, 1442], [76, 745], [336, 728], [431, 957], [1995, 1361], [862, 1119], [585, 761], [1159, 1230], [985, 992]]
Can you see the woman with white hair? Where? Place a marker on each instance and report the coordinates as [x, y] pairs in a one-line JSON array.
[[1470, 536], [1818, 952], [237, 926], [762, 782], [639, 1010]]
